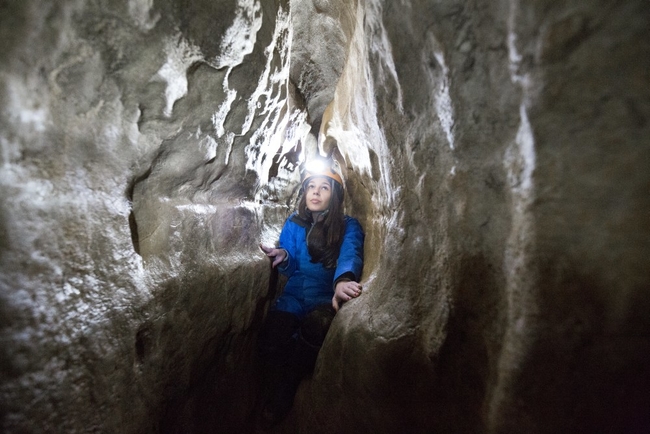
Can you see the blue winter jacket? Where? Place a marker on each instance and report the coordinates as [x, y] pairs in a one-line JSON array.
[[312, 284]]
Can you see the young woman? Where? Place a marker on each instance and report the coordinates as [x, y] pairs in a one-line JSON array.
[[321, 252]]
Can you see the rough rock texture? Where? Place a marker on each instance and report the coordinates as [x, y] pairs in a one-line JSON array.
[[497, 155]]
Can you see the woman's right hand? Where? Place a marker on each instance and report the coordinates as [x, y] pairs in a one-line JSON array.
[[278, 255], [345, 290]]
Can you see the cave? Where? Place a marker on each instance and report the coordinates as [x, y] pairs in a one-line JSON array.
[[496, 153]]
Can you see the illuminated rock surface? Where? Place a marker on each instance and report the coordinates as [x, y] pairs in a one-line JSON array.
[[497, 155]]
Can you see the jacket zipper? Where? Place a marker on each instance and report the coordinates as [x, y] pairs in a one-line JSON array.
[[309, 232]]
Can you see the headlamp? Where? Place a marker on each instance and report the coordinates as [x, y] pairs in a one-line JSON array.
[[320, 167]]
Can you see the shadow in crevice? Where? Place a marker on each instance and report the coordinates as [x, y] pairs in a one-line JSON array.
[[133, 224], [463, 364], [222, 380]]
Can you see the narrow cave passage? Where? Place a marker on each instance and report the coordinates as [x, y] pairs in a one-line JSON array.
[[495, 154]]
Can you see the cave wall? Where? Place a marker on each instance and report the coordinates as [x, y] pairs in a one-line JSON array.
[[147, 148], [496, 155], [507, 146]]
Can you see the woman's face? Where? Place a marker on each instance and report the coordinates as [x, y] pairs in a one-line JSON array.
[[318, 193]]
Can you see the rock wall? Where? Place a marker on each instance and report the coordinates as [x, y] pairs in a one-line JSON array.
[[496, 155], [504, 150], [146, 150]]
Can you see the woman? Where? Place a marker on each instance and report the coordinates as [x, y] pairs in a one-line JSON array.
[[321, 252]]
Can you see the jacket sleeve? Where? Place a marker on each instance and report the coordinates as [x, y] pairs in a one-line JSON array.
[[351, 254], [288, 243]]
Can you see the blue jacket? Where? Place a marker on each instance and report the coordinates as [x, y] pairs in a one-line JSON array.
[[312, 284]]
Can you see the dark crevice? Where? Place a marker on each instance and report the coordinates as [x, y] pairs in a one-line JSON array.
[[133, 224], [135, 238], [143, 341]]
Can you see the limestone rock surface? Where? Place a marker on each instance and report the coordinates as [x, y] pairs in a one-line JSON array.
[[496, 153]]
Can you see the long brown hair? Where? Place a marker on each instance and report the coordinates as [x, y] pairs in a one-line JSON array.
[[326, 235]]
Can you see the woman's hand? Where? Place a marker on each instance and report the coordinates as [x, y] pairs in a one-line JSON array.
[[345, 290], [278, 255]]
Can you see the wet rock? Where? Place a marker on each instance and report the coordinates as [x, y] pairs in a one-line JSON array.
[[495, 154]]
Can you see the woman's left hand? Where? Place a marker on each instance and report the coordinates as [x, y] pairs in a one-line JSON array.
[[344, 291], [277, 255]]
